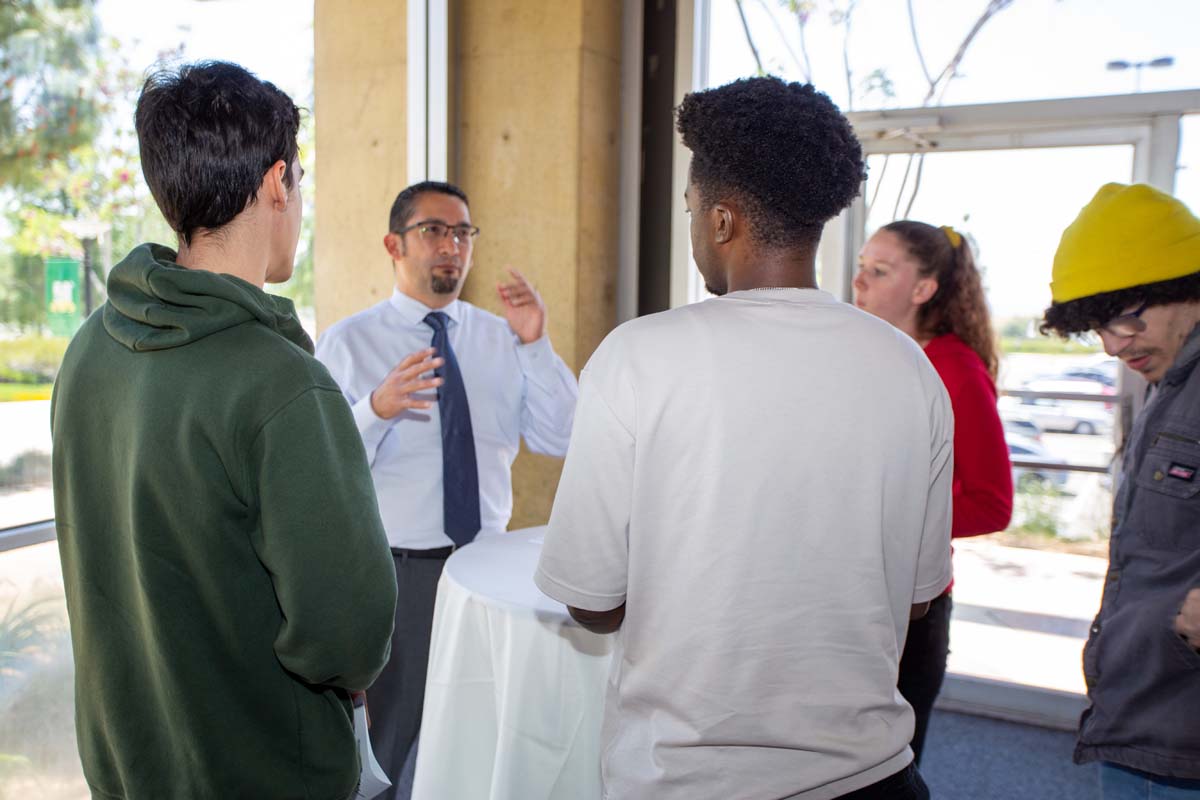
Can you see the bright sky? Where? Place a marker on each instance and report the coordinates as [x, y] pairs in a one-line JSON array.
[[272, 38], [1034, 49], [1014, 203]]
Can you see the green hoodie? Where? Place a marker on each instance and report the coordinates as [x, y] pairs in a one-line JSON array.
[[227, 575]]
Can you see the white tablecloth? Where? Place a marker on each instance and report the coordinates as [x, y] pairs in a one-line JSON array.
[[515, 689]]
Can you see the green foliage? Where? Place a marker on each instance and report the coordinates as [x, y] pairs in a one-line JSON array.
[[96, 179], [1046, 344], [24, 632], [46, 58], [877, 82], [300, 289], [22, 291], [37, 743], [1037, 509], [1017, 327], [18, 392], [31, 359], [27, 470]]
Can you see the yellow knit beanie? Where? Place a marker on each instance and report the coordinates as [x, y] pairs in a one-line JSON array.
[[1127, 236]]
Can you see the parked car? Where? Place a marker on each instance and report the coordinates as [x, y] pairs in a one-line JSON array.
[[1101, 369], [1097, 374], [1068, 416], [1018, 423], [1027, 478]]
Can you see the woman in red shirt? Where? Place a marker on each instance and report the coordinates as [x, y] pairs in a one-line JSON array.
[[923, 280]]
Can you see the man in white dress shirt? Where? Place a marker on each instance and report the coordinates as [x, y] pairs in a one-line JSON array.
[[442, 392]]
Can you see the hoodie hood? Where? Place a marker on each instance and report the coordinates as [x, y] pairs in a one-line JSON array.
[[155, 304]]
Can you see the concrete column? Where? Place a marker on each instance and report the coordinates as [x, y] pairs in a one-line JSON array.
[[359, 93], [537, 116]]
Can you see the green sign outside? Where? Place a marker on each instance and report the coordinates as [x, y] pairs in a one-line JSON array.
[[62, 296]]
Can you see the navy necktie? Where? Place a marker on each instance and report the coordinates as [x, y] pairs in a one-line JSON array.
[[460, 473]]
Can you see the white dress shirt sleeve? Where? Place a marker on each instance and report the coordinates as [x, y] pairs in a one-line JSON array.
[[548, 406], [334, 353]]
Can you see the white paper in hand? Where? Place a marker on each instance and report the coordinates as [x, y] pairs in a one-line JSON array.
[[372, 780]]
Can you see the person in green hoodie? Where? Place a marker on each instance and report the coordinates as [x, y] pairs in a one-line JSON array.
[[227, 575]]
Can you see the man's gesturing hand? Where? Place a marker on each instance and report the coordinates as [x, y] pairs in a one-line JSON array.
[[1187, 622], [523, 307], [396, 393]]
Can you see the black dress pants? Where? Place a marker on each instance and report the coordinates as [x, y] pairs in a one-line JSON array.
[[906, 784], [923, 665], [397, 697]]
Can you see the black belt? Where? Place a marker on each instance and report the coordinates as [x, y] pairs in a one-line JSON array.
[[437, 552]]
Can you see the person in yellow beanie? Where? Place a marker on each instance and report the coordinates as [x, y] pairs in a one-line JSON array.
[[1128, 268]]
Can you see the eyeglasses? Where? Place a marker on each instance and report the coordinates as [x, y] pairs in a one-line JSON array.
[[1126, 325], [432, 230]]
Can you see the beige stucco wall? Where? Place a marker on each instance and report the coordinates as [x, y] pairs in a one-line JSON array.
[[359, 95], [535, 112]]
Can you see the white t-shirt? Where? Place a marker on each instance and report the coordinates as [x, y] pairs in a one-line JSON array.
[[764, 480]]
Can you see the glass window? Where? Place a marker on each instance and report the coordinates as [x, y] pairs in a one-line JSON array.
[[38, 758], [72, 203], [72, 197]]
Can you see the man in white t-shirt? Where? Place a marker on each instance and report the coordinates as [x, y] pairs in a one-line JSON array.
[[757, 491]]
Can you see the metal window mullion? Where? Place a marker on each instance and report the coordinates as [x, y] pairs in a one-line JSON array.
[[27, 535], [417, 101]]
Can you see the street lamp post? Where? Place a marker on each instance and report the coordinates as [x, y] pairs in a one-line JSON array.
[[1136, 66], [87, 230]]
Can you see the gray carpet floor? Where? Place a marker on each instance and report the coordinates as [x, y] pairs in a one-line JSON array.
[[973, 758]]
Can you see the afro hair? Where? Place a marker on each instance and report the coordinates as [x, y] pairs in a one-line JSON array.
[[783, 150]]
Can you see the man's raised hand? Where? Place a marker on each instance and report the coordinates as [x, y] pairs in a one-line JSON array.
[[523, 307], [397, 392]]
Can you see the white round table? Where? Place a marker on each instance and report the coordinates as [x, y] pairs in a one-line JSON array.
[[514, 695]]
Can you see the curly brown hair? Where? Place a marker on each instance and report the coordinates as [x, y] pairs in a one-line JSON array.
[[958, 306]]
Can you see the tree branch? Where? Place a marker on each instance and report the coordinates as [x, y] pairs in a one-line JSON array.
[[749, 38], [912, 198], [783, 38], [993, 8], [878, 183], [846, 56], [912, 27], [900, 191], [802, 21]]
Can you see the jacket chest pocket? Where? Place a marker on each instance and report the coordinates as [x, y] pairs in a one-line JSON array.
[[1167, 512]]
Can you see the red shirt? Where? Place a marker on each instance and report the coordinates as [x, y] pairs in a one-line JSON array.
[[983, 490]]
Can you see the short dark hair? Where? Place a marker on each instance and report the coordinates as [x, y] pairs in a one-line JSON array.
[[782, 149], [207, 133], [402, 207], [1085, 313]]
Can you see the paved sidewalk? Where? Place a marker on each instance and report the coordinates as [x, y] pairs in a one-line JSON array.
[[1022, 615]]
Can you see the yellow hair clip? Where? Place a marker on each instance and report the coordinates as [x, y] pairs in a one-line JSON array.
[[954, 236]]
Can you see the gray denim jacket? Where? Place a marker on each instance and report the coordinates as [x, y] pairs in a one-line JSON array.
[[1143, 679]]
